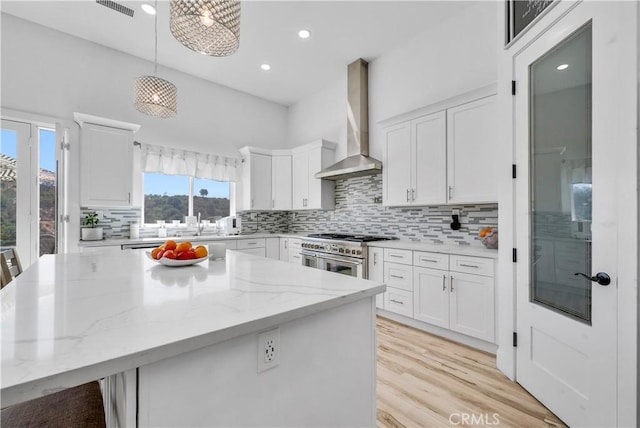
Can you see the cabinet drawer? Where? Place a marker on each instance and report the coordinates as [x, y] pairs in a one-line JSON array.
[[404, 257], [244, 244], [473, 265], [295, 243], [399, 301], [431, 260], [398, 276], [254, 251], [295, 257]]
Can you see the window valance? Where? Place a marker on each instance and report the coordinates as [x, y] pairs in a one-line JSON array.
[[172, 161]]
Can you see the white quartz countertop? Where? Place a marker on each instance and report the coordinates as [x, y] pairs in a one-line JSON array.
[[72, 318], [466, 250], [201, 238]]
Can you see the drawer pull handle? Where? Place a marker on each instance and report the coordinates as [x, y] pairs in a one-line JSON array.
[[471, 266], [428, 260], [396, 256], [444, 282], [397, 276], [252, 243], [451, 287], [396, 301]]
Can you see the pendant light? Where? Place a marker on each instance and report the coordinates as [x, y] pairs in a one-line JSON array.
[[210, 27], [156, 96]]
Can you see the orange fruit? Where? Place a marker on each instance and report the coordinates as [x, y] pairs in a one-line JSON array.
[[170, 245], [201, 251], [155, 252], [183, 246]]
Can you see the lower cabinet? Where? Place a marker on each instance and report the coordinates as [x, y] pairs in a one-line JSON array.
[[251, 246], [457, 293], [272, 246], [375, 271], [295, 247]]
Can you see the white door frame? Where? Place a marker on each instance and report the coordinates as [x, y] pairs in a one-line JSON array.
[[628, 182]]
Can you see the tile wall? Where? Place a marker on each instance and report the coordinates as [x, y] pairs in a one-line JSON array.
[[115, 223], [359, 210]]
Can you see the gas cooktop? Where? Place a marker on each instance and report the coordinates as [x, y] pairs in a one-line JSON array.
[[349, 238]]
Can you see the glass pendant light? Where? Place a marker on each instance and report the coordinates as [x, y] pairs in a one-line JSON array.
[[156, 96], [210, 27]]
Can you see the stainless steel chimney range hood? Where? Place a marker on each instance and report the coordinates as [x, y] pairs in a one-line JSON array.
[[357, 163]]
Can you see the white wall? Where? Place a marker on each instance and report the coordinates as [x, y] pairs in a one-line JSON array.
[[455, 57], [48, 72]]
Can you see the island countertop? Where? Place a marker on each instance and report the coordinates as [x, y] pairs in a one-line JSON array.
[[72, 318]]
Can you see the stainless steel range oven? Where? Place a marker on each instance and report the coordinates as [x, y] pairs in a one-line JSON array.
[[341, 253]]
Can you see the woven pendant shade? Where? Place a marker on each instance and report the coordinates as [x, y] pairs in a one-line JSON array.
[[210, 27], [156, 96]]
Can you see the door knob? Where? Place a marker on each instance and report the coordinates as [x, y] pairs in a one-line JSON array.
[[601, 278]]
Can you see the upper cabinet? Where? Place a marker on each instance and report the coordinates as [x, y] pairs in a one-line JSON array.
[[415, 161], [310, 192], [443, 154], [106, 162], [281, 181], [471, 152], [254, 191]]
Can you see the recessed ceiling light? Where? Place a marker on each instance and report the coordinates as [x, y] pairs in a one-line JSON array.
[[304, 34], [149, 9], [265, 67], [562, 67]]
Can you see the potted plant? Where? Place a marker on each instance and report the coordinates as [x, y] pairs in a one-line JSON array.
[[90, 231]]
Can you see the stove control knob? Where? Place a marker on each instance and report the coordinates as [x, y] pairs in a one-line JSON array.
[[347, 251], [341, 250], [359, 252]]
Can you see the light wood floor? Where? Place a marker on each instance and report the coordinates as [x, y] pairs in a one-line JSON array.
[[424, 380]]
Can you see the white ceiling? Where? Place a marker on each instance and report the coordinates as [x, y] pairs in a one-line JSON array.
[[341, 32]]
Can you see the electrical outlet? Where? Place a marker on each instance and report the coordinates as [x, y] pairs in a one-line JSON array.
[[455, 211], [100, 214], [268, 349]]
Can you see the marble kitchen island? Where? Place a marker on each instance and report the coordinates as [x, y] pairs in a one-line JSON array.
[[179, 346]]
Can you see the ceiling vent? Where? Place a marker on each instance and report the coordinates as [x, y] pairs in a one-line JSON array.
[[117, 7]]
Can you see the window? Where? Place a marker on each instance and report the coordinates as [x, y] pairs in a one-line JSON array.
[[172, 197]]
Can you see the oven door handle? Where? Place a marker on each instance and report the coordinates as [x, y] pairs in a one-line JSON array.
[[355, 262]]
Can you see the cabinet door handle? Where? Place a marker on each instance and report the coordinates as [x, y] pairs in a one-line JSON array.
[[286, 244], [273, 203], [444, 282], [396, 276], [396, 301], [413, 194], [471, 266], [422, 259], [450, 191], [129, 197], [375, 259], [451, 286], [407, 195]]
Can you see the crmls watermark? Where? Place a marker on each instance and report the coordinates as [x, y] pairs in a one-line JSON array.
[[469, 419]]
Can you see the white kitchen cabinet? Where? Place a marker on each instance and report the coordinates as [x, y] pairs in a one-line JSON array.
[[247, 244], [415, 162], [375, 271], [472, 305], [472, 133], [254, 187], [398, 276], [295, 247], [310, 193], [442, 154], [106, 166], [431, 296], [281, 181], [272, 246], [284, 249]]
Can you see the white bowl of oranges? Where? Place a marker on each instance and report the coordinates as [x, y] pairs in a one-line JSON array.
[[175, 254]]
